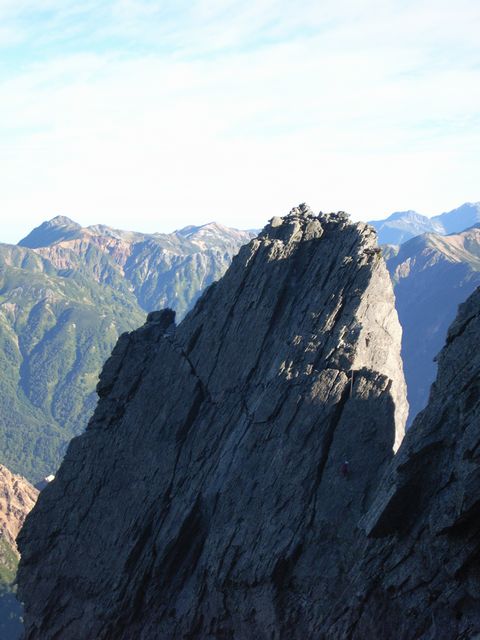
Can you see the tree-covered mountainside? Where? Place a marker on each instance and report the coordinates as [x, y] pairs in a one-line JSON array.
[[66, 294], [56, 329]]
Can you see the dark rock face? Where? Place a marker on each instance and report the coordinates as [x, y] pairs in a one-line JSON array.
[[419, 576], [209, 497]]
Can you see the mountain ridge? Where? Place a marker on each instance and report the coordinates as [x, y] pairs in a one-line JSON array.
[[61, 228]]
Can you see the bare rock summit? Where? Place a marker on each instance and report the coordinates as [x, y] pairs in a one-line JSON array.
[[217, 490]]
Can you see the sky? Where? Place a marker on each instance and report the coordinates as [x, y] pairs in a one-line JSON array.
[[153, 115]]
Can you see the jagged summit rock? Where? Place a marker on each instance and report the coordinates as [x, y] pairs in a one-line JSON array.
[[217, 488]]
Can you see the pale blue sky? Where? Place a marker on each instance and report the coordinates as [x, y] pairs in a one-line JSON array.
[[155, 115]]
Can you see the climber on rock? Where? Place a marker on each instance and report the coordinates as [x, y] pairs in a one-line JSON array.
[[345, 468]]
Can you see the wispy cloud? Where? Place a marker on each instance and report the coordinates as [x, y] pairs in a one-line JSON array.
[[158, 114]]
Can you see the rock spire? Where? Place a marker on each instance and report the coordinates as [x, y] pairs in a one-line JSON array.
[[218, 486]]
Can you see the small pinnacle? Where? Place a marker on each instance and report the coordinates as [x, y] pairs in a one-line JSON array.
[[302, 210]]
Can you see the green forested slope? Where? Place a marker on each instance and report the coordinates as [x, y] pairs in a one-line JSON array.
[[66, 294], [56, 330]]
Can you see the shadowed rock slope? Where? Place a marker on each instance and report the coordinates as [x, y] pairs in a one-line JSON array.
[[205, 499], [431, 275], [419, 576]]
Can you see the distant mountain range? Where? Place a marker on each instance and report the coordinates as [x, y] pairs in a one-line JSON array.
[[403, 225], [157, 269], [66, 294]]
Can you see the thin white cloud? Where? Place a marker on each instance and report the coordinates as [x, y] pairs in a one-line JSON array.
[[160, 114]]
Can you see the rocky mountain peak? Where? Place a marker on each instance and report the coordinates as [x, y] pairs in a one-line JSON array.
[[54, 230], [301, 210], [217, 488], [62, 221]]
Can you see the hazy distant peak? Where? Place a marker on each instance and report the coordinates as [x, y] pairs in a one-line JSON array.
[[105, 231], [62, 221], [54, 230], [61, 228], [464, 206], [407, 215], [460, 218], [190, 230], [404, 225], [213, 233]]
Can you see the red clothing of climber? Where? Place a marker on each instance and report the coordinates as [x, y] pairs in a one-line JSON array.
[[344, 468]]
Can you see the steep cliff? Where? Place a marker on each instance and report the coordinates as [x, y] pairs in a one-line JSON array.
[[56, 330], [419, 574], [17, 497], [217, 488]]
